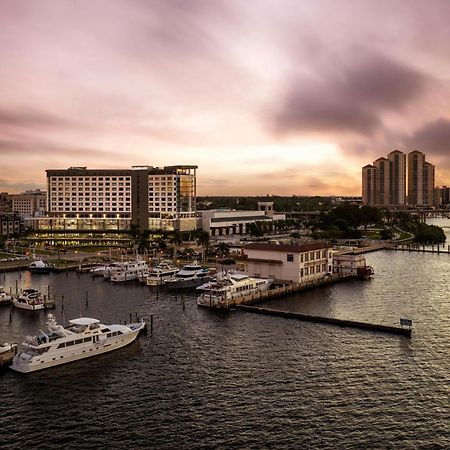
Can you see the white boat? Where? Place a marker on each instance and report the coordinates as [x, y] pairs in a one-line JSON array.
[[191, 275], [5, 298], [84, 337], [158, 275], [7, 353], [39, 266], [228, 286], [130, 270], [29, 299], [111, 269], [98, 271]]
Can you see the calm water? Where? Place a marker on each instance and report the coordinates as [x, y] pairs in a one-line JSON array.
[[237, 380]]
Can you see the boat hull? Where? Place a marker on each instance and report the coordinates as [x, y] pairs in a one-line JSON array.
[[187, 284], [27, 306], [86, 351]]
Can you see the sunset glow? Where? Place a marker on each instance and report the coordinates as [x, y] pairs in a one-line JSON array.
[[265, 97]]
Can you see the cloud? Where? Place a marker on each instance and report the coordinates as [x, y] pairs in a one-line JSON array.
[[350, 97], [432, 138]]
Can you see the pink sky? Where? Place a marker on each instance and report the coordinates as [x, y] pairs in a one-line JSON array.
[[266, 97]]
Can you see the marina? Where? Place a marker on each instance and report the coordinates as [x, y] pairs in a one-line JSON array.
[[309, 366]]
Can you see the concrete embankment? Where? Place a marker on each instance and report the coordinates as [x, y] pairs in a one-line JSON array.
[[327, 320]]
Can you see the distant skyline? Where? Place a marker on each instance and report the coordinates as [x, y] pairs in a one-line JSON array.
[[282, 98]]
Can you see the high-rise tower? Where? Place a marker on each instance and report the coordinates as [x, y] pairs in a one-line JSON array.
[[369, 185], [416, 167], [397, 178]]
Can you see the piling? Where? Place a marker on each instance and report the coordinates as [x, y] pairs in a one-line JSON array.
[[87, 299], [151, 324], [17, 288]]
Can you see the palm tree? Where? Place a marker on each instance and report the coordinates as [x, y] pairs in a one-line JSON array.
[[175, 240], [203, 241], [222, 249]]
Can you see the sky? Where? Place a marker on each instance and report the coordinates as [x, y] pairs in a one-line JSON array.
[[273, 97]]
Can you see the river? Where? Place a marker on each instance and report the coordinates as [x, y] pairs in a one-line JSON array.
[[237, 380]]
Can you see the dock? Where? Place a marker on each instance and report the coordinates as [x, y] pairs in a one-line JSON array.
[[327, 320]]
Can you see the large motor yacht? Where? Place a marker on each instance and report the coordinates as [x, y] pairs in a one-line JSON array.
[[228, 286], [84, 337], [29, 299], [158, 275], [130, 270], [191, 275]]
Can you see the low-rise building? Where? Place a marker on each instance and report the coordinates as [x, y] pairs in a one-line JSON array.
[[9, 225], [227, 222], [286, 262], [349, 265], [29, 203]]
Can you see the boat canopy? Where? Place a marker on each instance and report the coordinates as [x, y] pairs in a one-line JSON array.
[[84, 321]]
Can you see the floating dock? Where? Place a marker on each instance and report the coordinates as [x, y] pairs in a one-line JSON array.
[[327, 320]]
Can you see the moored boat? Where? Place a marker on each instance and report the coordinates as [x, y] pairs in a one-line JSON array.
[[7, 353], [29, 299], [130, 270], [227, 287], [83, 338], [5, 298], [39, 266], [158, 275], [191, 275]]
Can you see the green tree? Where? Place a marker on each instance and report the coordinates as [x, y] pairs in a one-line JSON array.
[[203, 241], [222, 249]]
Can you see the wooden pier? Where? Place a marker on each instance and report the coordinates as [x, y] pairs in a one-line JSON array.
[[445, 249], [327, 320]]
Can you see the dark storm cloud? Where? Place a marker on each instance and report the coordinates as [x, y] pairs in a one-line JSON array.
[[27, 118], [433, 138], [349, 97]]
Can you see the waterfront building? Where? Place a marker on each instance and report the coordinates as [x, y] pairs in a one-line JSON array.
[[445, 196], [397, 178], [29, 203], [81, 199], [369, 186], [5, 203], [228, 222], [290, 263], [382, 181], [348, 265]]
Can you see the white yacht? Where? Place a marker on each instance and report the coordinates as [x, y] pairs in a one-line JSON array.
[[39, 266], [29, 299], [84, 337], [130, 270], [191, 275], [98, 271], [108, 270], [229, 286], [5, 298], [158, 275]]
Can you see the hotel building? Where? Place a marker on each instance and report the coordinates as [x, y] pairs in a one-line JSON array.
[[369, 185], [114, 199], [397, 177]]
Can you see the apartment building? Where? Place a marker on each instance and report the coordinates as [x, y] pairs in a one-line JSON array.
[[384, 183], [369, 185], [9, 225]]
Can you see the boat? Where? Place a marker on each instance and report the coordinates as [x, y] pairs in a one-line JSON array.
[[7, 353], [191, 275], [111, 269], [228, 286], [29, 299], [365, 272], [83, 338], [129, 270], [5, 298], [158, 275], [98, 271], [39, 266]]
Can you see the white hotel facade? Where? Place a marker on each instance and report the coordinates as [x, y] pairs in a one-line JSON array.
[[102, 199]]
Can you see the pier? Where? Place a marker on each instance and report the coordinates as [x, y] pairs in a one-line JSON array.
[[327, 320]]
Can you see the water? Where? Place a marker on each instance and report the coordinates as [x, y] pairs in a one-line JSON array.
[[238, 380]]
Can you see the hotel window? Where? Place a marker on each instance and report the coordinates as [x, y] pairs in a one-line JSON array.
[[290, 257], [318, 254]]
